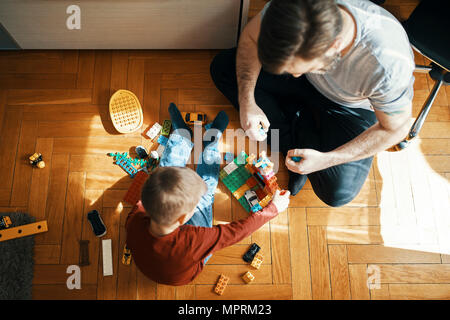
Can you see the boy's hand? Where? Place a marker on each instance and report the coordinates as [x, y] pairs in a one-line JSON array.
[[281, 200]]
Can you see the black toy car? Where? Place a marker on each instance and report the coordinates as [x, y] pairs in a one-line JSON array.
[[250, 254], [97, 224]]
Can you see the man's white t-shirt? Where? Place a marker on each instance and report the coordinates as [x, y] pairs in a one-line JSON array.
[[377, 72]]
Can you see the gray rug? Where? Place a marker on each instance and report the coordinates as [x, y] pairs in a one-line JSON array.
[[16, 262]]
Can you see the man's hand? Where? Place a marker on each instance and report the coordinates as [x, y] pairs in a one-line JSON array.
[[252, 118], [311, 161], [281, 200]]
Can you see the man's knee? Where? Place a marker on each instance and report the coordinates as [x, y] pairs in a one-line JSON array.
[[223, 65], [337, 199]]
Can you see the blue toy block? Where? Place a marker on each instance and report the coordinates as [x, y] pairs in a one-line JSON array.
[[162, 140], [229, 157], [296, 159], [256, 208]]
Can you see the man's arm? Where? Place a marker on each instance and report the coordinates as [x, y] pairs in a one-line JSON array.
[[248, 68], [247, 63], [390, 129]]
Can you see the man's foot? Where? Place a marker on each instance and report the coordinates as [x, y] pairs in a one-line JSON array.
[[296, 182], [219, 124], [177, 119]]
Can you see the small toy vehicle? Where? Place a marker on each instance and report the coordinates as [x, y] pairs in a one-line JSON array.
[[97, 224], [36, 160], [5, 222], [252, 200], [193, 117], [250, 254], [126, 257]]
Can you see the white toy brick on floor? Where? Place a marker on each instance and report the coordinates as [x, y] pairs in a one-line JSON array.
[[107, 257]]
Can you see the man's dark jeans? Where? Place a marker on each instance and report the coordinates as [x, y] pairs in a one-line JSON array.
[[305, 119]]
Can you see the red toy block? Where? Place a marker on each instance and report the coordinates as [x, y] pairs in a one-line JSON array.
[[134, 192], [260, 194], [251, 182]]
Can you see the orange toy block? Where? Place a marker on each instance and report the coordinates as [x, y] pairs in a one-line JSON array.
[[248, 277], [257, 261], [133, 194], [240, 192], [221, 284], [264, 202]]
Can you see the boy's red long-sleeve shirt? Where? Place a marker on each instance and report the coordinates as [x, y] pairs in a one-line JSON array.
[[177, 258]]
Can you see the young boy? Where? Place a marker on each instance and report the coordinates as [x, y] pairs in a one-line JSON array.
[[170, 232]]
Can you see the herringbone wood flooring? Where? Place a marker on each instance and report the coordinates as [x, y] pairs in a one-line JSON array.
[[56, 103]]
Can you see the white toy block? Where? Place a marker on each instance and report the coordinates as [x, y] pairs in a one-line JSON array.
[[154, 131], [107, 257], [229, 168]]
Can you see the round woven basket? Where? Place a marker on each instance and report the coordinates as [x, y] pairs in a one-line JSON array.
[[125, 111]]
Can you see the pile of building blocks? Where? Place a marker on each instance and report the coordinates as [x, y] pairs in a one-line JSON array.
[[251, 181]]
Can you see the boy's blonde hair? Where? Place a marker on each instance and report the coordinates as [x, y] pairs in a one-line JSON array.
[[170, 192]]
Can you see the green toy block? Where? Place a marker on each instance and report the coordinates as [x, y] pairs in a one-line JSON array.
[[240, 159], [244, 203], [222, 174]]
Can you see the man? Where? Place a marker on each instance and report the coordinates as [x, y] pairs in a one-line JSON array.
[[334, 77]]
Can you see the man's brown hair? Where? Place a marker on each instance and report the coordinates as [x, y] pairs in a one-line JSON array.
[[170, 192], [297, 28]]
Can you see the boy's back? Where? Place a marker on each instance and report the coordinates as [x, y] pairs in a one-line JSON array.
[[177, 258]]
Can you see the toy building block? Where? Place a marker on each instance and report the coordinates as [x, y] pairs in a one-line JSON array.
[[251, 252], [296, 159], [265, 201], [5, 222], [107, 257], [241, 191], [162, 140], [257, 261], [160, 150], [36, 160], [257, 207], [133, 194], [221, 284], [23, 231], [248, 277], [126, 165], [244, 204], [229, 168], [167, 125], [250, 159], [84, 253], [251, 182], [228, 156], [154, 131], [260, 193], [126, 256], [241, 159]]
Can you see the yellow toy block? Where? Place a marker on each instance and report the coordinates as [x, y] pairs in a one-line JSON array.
[[221, 284], [265, 201], [250, 159], [257, 261], [248, 277], [240, 192]]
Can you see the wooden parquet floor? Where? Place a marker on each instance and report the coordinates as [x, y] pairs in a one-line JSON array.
[[395, 234]]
